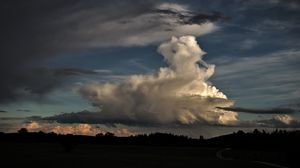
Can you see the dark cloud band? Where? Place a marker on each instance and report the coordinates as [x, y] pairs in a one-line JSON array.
[[260, 111]]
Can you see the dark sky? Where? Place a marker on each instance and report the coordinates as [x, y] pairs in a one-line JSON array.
[[69, 65]]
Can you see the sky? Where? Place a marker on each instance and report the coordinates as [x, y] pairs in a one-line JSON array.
[[133, 67]]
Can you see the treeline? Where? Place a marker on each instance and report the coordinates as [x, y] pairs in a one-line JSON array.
[[278, 139], [159, 139]]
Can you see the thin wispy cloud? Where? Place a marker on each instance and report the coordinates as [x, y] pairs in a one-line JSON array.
[[40, 31], [272, 76]]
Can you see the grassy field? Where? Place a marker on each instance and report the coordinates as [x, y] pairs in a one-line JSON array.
[[84, 155], [275, 157]]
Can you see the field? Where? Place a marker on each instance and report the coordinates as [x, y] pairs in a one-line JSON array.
[[92, 155]]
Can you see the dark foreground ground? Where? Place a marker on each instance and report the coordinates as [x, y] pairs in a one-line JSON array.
[[253, 149], [46, 155]]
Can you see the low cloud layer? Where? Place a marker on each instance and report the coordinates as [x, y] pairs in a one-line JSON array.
[[277, 121], [75, 129], [23, 110], [179, 93]]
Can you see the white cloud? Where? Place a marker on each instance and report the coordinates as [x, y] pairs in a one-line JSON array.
[[285, 119], [173, 7], [179, 93]]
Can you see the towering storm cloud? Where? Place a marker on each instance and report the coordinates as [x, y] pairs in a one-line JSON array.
[[179, 93]]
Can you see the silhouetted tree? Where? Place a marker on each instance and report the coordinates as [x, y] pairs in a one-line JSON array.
[[99, 135], [109, 134], [275, 132], [52, 133], [23, 131], [41, 133], [240, 132], [256, 132]]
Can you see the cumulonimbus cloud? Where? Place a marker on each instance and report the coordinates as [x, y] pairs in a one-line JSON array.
[[179, 93]]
